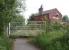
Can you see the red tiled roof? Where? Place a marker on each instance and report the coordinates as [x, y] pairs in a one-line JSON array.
[[48, 11]]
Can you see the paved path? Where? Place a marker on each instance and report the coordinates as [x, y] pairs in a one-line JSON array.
[[22, 44]]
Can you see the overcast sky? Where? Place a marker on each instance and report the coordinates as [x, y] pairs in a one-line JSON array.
[[32, 6]]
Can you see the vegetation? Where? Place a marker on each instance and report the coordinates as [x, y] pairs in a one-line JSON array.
[[18, 21], [56, 37], [9, 9], [5, 43], [65, 18]]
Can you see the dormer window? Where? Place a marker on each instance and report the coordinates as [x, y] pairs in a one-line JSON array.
[[56, 15]]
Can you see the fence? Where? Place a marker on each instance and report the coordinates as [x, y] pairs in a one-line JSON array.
[[31, 26]]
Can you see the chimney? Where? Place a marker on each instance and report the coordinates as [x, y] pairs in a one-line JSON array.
[[41, 10]]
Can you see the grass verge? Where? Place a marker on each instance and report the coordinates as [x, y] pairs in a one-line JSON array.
[[5, 43], [55, 40]]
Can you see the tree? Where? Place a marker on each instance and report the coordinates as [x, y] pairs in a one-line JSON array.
[[8, 10], [65, 18], [19, 21]]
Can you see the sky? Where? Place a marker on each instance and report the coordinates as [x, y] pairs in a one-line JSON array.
[[32, 6]]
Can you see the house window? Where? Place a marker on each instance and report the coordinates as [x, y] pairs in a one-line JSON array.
[[56, 15]]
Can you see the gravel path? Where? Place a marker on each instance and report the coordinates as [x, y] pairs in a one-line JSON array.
[[22, 44]]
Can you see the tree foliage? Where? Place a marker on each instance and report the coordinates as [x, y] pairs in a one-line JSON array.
[[9, 10], [65, 18]]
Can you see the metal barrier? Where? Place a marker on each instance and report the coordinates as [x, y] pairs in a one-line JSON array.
[[29, 27]]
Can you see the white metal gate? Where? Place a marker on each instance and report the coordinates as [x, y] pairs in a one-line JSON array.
[[31, 28]]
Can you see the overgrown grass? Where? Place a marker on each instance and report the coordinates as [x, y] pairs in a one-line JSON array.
[[57, 39], [45, 39], [5, 43]]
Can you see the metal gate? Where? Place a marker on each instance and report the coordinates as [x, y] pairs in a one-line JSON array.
[[32, 28]]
